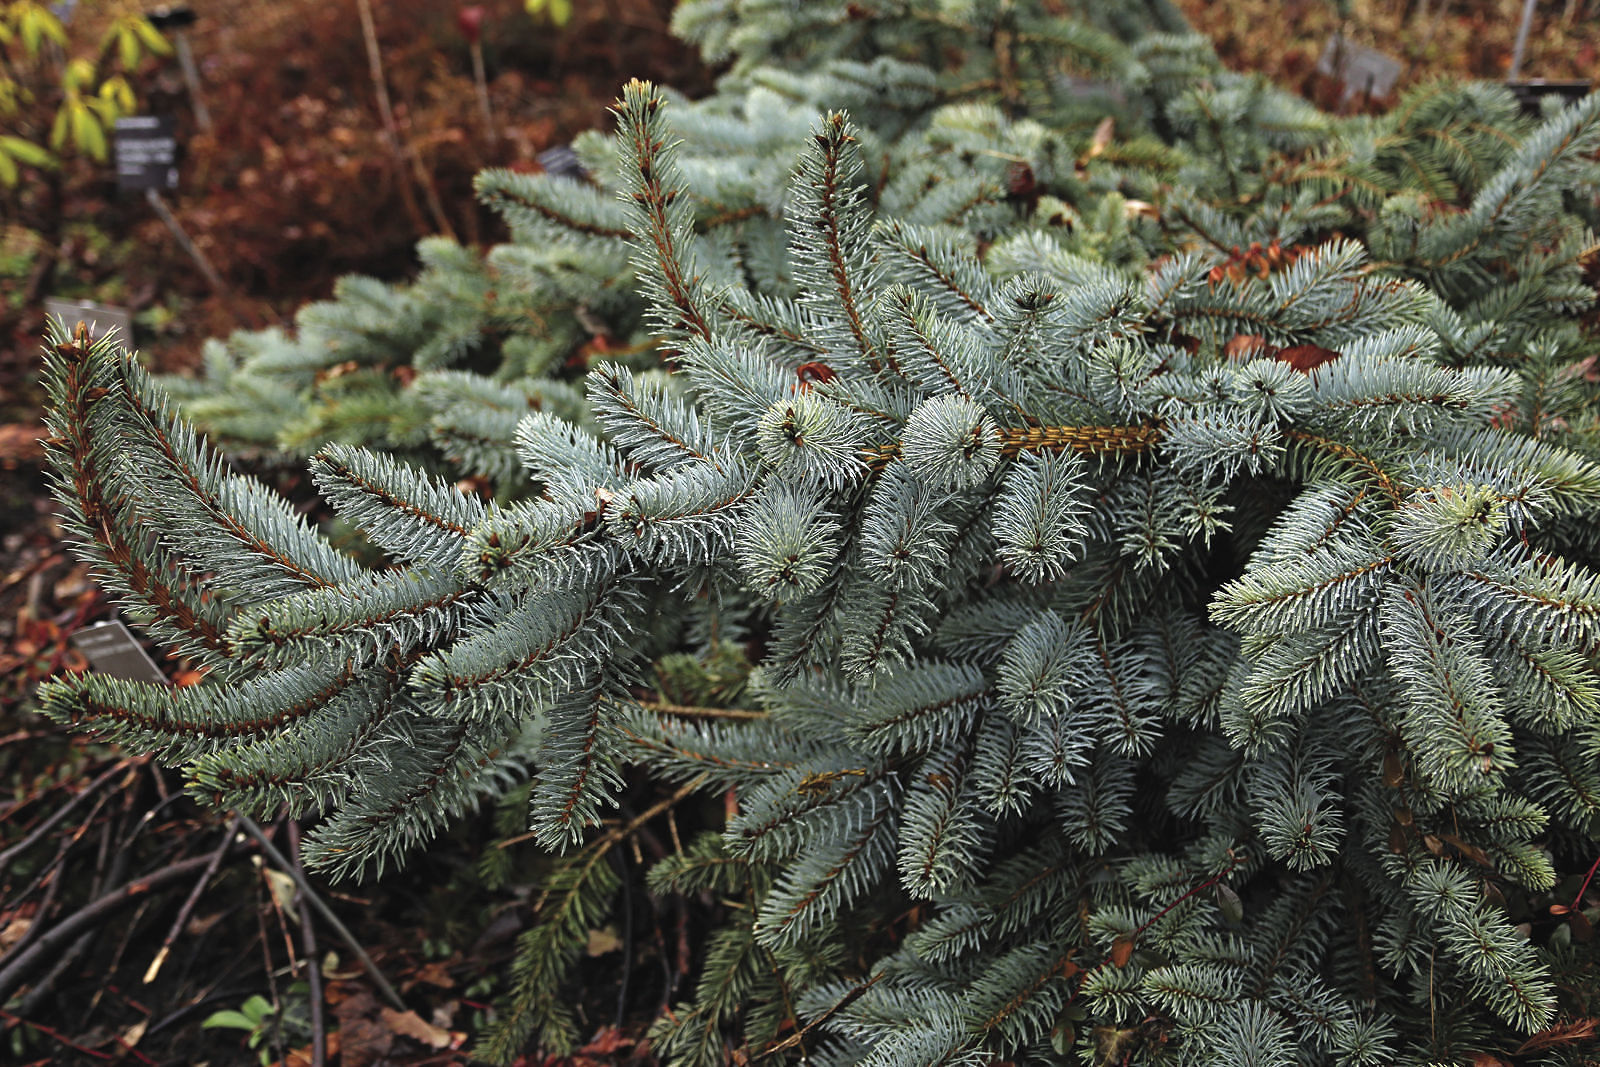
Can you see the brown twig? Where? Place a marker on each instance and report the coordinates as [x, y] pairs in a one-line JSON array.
[[1577, 901], [54, 1034], [56, 817], [391, 129], [686, 711], [1236, 858], [481, 82], [170, 221], [266, 960], [35, 996], [17, 970], [119, 857], [619, 863], [283, 926], [800, 1034], [122, 948], [189, 903], [64, 960], [11, 739], [326, 912], [618, 833], [308, 941], [51, 879], [50, 869]]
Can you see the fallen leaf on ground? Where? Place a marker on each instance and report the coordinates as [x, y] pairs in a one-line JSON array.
[[435, 973], [410, 1024], [301, 1057], [609, 1039], [132, 1035], [603, 940], [1576, 1032], [14, 930], [365, 1039]]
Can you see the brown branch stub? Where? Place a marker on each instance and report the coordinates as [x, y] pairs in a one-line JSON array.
[[1014, 441], [1091, 440], [684, 711]]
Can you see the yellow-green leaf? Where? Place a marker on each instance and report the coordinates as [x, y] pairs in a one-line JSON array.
[[105, 109], [25, 152], [9, 175], [28, 29], [52, 27], [558, 11], [151, 36], [119, 94], [59, 128], [87, 133], [36, 22], [233, 1020], [127, 47], [78, 75]]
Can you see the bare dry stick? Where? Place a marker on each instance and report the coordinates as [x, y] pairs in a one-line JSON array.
[[1433, 26], [685, 711], [189, 904], [86, 917], [308, 941], [54, 1034], [1520, 49], [326, 912], [482, 83], [59, 814], [617, 833], [185, 242], [391, 128]]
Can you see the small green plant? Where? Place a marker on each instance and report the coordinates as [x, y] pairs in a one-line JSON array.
[[48, 73], [558, 11], [262, 1022], [254, 1017]]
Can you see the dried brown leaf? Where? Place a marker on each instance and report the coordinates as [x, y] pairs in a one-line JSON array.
[[410, 1024], [1306, 358], [1572, 1032]]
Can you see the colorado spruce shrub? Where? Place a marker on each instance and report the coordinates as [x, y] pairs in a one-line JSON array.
[[1174, 615]]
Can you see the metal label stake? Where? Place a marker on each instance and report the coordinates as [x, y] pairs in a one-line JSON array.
[[146, 148]]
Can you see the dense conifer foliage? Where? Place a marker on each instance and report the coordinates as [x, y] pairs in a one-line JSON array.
[[1161, 517]]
